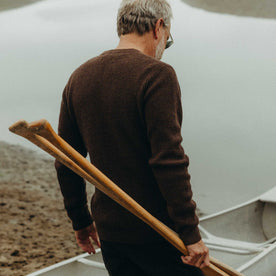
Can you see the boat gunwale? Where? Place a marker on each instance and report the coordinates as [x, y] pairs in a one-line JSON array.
[[240, 205], [62, 263], [260, 198]]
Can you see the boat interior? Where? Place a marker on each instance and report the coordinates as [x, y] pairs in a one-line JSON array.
[[244, 236]]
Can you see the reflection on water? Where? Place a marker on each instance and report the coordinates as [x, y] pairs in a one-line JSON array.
[[253, 8], [225, 66], [12, 4]]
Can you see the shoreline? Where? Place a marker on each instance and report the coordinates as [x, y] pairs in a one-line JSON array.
[[6, 5]]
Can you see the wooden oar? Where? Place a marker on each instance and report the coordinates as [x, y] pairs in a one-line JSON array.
[[42, 134]]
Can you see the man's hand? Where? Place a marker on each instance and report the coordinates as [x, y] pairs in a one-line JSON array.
[[83, 237], [198, 255]]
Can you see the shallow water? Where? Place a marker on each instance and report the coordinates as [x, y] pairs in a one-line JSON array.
[[226, 69]]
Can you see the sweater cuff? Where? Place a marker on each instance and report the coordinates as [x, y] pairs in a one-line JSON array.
[[190, 235], [80, 217]]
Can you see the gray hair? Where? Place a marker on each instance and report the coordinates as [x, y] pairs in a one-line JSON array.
[[140, 16]]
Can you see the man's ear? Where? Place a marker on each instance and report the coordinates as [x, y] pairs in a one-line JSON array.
[[157, 28]]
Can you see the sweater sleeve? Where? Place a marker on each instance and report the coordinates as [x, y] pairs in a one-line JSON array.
[[163, 118], [72, 186]]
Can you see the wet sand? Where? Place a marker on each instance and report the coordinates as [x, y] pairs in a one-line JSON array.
[[35, 231]]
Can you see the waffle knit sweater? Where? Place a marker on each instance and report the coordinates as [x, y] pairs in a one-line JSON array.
[[123, 108]]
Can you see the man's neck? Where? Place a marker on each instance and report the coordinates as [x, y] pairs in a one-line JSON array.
[[141, 43]]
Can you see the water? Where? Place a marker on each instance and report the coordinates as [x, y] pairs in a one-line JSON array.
[[226, 69]]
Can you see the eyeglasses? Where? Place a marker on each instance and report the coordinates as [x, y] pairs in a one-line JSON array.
[[169, 43]]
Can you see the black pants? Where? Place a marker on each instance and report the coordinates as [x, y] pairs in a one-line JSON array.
[[158, 259]]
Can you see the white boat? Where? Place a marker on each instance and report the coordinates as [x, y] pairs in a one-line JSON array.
[[82, 265], [243, 237]]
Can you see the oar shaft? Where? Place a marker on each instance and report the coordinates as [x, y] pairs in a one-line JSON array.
[[44, 129], [42, 134], [59, 149]]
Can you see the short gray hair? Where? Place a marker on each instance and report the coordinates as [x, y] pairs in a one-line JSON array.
[[140, 16]]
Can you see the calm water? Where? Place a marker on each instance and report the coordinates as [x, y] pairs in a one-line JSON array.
[[226, 69]]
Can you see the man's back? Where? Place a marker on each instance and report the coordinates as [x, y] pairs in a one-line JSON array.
[[125, 111], [124, 108]]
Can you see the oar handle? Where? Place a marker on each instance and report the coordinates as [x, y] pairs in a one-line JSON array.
[[22, 128]]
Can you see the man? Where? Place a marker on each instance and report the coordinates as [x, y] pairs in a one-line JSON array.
[[124, 109]]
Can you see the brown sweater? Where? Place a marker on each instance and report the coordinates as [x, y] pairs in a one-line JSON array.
[[124, 109]]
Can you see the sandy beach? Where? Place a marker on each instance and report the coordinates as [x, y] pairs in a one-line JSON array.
[[35, 231]]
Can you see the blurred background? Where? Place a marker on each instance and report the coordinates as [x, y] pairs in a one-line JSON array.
[[225, 60]]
